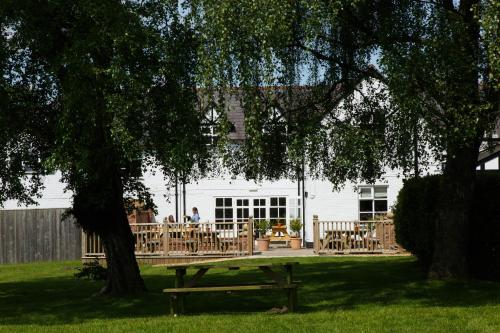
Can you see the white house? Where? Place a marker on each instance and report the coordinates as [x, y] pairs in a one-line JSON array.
[[233, 198]]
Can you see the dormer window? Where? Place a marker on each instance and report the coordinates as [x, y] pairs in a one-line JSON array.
[[210, 126]]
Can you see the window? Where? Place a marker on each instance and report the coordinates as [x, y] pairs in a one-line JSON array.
[[223, 213], [242, 211], [372, 202], [259, 209], [210, 126], [277, 210]]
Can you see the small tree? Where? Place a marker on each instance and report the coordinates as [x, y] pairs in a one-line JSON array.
[[263, 226], [296, 227]]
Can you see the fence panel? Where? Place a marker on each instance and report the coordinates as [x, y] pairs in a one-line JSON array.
[[29, 235], [183, 239], [331, 237]]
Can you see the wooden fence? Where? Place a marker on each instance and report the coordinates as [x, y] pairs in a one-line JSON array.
[[347, 237], [180, 239], [29, 235]]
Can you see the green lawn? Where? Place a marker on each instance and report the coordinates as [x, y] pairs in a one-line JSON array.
[[339, 294]]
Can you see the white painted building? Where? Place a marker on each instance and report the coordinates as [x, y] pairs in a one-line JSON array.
[[232, 198]]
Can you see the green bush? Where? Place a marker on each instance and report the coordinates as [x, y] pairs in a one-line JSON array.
[[296, 226], [263, 226], [484, 243], [415, 215], [91, 271]]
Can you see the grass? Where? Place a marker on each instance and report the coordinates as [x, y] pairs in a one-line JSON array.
[[339, 294]]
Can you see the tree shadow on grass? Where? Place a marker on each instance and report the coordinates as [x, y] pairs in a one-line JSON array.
[[328, 284]]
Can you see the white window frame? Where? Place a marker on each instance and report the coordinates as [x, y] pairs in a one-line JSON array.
[[373, 199]]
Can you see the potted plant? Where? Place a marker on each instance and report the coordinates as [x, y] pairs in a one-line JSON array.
[[263, 241], [295, 240]]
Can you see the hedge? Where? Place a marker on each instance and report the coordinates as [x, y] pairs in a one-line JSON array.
[[415, 215]]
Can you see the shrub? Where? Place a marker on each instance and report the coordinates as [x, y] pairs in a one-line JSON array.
[[263, 226], [416, 211], [414, 216], [92, 271], [484, 243], [296, 226]]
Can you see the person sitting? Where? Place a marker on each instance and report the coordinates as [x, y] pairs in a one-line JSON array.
[[195, 218]]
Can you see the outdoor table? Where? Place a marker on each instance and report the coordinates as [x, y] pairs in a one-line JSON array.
[[279, 229], [281, 275]]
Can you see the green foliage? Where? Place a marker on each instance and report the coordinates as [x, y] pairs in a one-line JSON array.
[[92, 271], [113, 86], [430, 89], [416, 214], [296, 226], [484, 243], [263, 226]]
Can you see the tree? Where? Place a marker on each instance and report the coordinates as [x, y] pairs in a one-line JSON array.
[[118, 85], [382, 76]]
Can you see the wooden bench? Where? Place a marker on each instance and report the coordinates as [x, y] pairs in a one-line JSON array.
[[279, 281]]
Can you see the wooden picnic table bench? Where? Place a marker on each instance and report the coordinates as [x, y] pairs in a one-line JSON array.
[[281, 275]]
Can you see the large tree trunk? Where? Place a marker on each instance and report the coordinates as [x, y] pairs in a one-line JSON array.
[[123, 271], [457, 191]]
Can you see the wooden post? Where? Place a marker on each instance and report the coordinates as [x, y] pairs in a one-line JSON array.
[[250, 236], [84, 243], [316, 233], [165, 239]]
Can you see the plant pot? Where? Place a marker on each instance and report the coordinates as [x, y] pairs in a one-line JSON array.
[[296, 243], [263, 244]]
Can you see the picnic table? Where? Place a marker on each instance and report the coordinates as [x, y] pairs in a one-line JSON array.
[[280, 274], [279, 234]]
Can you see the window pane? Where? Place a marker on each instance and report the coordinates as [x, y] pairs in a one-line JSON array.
[[239, 202], [263, 213], [274, 201], [380, 191], [273, 212], [381, 206], [245, 202], [282, 201], [228, 213], [365, 205], [365, 216], [246, 213], [282, 212], [365, 192], [218, 202], [219, 213], [228, 202]]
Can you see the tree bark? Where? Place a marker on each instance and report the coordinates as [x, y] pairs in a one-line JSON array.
[[123, 271], [119, 245], [457, 191]]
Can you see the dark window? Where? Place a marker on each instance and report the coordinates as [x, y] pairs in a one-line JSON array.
[[223, 213], [365, 205]]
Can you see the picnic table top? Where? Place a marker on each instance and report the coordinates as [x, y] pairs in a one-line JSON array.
[[231, 266]]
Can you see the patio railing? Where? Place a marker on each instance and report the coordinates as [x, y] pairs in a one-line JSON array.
[[331, 237], [183, 239]]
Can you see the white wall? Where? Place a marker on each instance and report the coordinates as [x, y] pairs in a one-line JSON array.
[[321, 200]]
